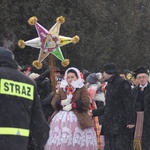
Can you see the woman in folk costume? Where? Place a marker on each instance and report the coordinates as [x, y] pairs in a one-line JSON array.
[[71, 127], [94, 85]]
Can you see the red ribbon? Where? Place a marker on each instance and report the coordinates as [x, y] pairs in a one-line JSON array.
[[69, 89]]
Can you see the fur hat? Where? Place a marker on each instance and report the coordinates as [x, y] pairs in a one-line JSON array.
[[140, 70], [110, 68], [5, 53]]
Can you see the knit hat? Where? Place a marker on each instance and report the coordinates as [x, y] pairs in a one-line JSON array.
[[92, 78], [5, 53], [99, 75], [140, 70], [110, 68]]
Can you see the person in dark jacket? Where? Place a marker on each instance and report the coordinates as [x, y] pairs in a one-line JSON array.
[[20, 108], [43, 84], [45, 90], [118, 112], [141, 95]]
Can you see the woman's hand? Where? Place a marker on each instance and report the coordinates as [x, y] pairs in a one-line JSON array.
[[67, 107], [65, 102]]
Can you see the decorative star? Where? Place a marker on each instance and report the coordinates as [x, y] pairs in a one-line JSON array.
[[48, 41]]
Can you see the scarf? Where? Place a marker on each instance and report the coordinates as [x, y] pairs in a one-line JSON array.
[[138, 130]]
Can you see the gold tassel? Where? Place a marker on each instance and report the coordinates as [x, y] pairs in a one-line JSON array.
[[137, 144], [75, 39], [32, 20], [60, 19], [21, 44], [37, 64], [65, 62]]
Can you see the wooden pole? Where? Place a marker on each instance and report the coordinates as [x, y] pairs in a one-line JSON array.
[[52, 72]]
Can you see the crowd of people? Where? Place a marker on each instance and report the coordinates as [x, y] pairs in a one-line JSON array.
[[105, 110]]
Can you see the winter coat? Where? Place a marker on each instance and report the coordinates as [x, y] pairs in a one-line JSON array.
[[20, 109], [47, 107], [82, 101], [146, 123], [43, 87], [118, 111]]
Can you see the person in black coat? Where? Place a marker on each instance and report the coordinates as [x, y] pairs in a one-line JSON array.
[[141, 95], [45, 92], [20, 108], [118, 112]]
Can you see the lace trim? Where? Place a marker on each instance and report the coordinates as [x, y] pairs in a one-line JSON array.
[[64, 129], [65, 136], [64, 116]]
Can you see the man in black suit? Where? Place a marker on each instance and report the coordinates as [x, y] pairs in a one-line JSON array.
[[141, 95]]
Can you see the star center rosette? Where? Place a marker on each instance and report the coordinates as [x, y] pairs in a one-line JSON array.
[[48, 41]]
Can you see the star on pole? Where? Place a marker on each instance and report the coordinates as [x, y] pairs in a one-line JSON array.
[[48, 41]]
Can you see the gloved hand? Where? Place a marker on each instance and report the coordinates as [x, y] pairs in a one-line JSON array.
[[67, 107], [65, 102]]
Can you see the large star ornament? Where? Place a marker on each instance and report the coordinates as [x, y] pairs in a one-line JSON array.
[[48, 41]]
